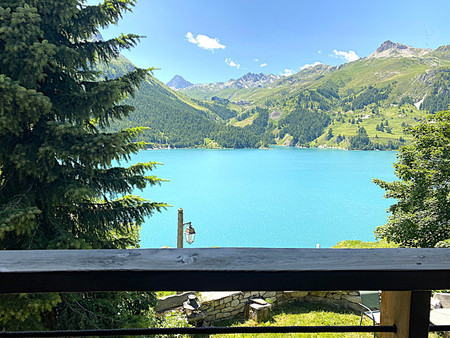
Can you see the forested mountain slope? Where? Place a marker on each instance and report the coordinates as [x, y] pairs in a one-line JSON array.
[[175, 120], [364, 104], [392, 88]]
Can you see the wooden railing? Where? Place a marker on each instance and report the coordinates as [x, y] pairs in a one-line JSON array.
[[404, 275]]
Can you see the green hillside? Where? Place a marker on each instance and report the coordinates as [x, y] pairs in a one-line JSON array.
[[175, 120], [364, 104], [375, 98]]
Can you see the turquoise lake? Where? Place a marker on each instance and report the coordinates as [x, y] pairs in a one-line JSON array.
[[281, 197]]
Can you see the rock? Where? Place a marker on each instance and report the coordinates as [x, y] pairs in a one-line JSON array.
[[223, 315], [435, 303], [259, 313], [443, 298], [352, 299], [295, 294], [240, 305], [258, 301], [169, 302], [234, 303], [236, 312], [320, 294], [215, 296], [249, 294]]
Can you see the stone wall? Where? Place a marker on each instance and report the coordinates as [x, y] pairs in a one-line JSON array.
[[173, 301], [344, 299], [217, 306]]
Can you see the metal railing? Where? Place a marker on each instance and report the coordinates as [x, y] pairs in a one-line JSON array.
[[402, 274]]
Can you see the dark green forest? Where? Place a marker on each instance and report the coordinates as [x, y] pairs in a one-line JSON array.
[[171, 119], [438, 96], [304, 125]]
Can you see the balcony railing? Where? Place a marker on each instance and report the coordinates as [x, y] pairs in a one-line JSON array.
[[404, 275]]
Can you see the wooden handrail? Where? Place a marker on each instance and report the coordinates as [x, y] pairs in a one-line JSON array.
[[403, 273], [224, 269]]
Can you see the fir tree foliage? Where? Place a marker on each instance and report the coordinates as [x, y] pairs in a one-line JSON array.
[[60, 185], [421, 215]]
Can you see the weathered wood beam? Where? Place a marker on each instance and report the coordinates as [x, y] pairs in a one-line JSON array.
[[408, 310], [224, 269]]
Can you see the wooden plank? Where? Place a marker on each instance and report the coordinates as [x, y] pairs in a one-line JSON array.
[[227, 259], [224, 269]]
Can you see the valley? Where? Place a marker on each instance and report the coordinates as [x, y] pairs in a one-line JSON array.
[[365, 104]]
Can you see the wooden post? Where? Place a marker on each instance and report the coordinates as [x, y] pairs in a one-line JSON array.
[[408, 310], [419, 319], [180, 229]]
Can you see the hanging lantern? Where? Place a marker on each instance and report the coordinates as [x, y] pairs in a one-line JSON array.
[[189, 233]]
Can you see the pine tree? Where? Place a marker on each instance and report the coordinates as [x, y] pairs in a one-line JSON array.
[[60, 185]]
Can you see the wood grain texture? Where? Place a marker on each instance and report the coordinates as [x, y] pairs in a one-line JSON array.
[[395, 309], [408, 310], [224, 269]]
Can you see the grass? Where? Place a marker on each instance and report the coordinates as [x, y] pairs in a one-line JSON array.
[[165, 293], [304, 314], [356, 244]]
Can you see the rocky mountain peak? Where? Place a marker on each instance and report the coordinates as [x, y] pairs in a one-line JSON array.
[[178, 82], [391, 45], [251, 77], [394, 49], [251, 80]]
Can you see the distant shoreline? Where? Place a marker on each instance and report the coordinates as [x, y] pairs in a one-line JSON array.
[[322, 147]]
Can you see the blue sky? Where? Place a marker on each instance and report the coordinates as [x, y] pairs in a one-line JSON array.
[[211, 40]]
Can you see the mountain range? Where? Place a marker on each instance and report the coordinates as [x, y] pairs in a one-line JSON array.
[[249, 80], [411, 67], [370, 99]]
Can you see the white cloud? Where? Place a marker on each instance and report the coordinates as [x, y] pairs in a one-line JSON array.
[[263, 64], [204, 41], [309, 65], [319, 51], [287, 72], [255, 60], [349, 56], [231, 63]]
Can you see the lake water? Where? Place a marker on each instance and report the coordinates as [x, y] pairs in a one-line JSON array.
[[282, 197]]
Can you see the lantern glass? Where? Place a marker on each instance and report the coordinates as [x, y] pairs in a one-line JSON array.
[[190, 235]]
